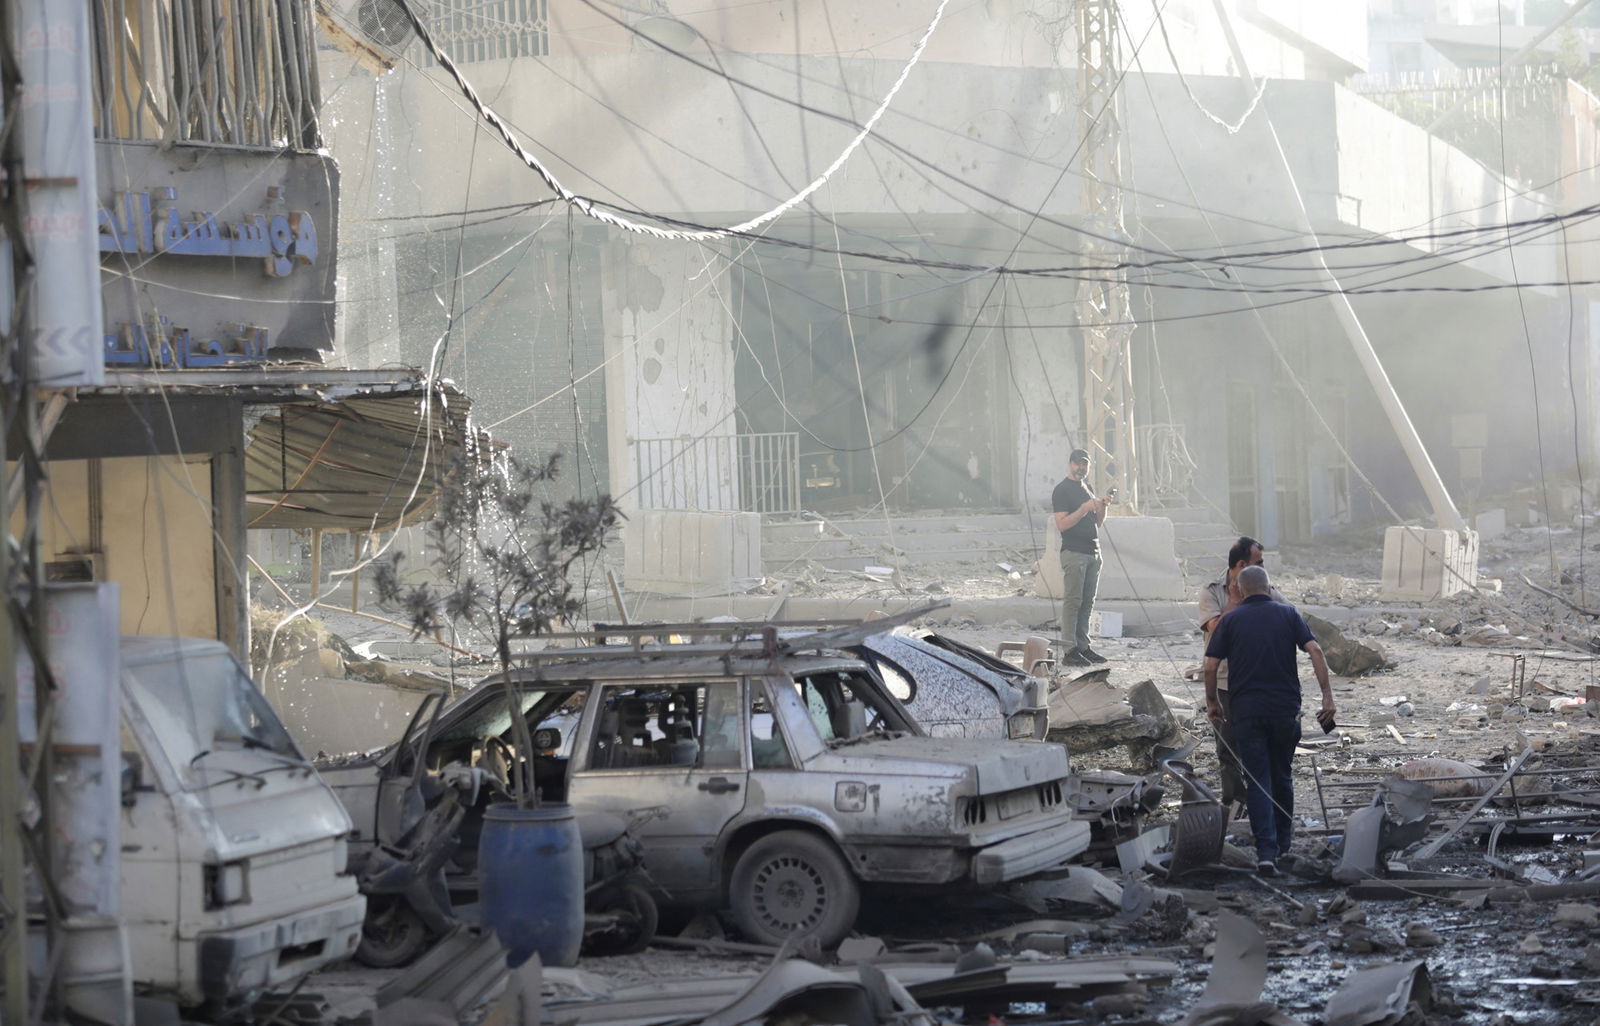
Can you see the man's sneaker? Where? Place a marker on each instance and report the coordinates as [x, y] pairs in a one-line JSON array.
[[1266, 867], [1076, 658], [1091, 655]]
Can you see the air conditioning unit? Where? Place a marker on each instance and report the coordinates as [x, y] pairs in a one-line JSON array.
[[374, 32]]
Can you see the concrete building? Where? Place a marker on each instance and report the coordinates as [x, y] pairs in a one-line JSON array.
[[222, 406], [861, 358]]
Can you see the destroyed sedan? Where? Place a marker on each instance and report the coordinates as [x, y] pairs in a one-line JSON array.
[[769, 777]]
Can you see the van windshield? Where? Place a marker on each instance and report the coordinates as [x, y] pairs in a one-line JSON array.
[[200, 704]]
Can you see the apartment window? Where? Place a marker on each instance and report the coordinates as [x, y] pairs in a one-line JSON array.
[[487, 30]]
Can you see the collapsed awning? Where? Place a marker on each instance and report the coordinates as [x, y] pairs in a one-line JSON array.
[[362, 463]]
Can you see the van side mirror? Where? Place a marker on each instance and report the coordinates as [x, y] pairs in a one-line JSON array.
[[132, 778]]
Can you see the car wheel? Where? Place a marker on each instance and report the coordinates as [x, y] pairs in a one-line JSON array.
[[793, 884], [633, 924], [391, 935]]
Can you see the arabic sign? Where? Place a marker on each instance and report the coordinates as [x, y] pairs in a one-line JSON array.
[[280, 243], [212, 256]]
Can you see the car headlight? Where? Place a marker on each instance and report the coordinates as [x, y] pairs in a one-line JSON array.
[[227, 883], [1020, 725]]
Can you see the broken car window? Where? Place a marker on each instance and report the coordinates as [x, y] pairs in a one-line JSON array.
[[661, 725], [768, 749], [845, 706]]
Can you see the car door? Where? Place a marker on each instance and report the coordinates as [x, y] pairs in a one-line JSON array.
[[399, 802], [671, 758]]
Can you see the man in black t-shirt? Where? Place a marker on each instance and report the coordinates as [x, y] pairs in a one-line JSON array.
[[1078, 515]]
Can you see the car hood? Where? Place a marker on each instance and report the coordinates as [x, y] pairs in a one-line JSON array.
[[998, 765]]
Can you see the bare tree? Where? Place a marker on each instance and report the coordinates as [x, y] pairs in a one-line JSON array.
[[504, 555]]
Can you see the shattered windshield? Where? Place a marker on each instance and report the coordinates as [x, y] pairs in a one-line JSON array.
[[203, 703]]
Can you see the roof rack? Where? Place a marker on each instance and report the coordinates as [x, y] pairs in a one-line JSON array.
[[726, 640]]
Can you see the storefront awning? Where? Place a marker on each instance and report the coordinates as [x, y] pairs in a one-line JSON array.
[[362, 463]]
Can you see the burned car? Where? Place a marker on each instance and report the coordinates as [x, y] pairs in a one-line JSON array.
[[418, 807], [769, 776], [955, 690]]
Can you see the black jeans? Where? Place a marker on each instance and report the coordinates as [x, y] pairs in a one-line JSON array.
[[1266, 754]]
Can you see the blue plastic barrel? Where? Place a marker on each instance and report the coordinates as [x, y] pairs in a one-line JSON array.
[[530, 881]]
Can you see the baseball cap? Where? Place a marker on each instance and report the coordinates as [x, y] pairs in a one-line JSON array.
[[1079, 456]]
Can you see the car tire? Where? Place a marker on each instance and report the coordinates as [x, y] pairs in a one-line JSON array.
[[793, 884], [639, 919], [391, 935]]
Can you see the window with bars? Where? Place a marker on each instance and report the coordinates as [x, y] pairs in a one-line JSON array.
[[486, 30], [231, 72]]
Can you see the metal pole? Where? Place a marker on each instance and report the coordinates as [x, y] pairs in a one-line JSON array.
[[13, 254], [1444, 507]]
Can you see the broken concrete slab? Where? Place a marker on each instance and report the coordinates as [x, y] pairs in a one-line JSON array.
[[1346, 658], [1088, 714]]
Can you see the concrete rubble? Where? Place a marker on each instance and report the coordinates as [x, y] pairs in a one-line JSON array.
[[1446, 870]]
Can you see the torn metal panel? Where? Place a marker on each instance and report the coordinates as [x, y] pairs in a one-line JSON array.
[[460, 971], [1381, 995], [1399, 816], [1238, 974]]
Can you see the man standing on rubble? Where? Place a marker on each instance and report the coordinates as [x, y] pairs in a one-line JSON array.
[[1216, 598], [1078, 514], [1258, 637]]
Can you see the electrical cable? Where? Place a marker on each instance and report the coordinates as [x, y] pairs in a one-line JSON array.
[[600, 213], [1231, 127]]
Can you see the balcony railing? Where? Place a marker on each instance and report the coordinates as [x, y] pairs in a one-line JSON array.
[[1470, 108], [756, 473]]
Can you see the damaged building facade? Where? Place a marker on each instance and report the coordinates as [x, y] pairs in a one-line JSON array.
[[222, 408], [796, 374]]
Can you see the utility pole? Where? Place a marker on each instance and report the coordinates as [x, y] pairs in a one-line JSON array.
[[1104, 307], [51, 340], [14, 391]]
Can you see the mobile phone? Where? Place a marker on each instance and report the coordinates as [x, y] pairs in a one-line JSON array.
[[1327, 723], [1111, 493]]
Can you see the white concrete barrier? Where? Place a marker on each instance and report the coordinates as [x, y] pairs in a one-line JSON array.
[[1139, 560], [1421, 564], [692, 552]]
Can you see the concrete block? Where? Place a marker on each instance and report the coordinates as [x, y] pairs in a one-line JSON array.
[[692, 552], [1421, 564], [1491, 523], [1139, 557]]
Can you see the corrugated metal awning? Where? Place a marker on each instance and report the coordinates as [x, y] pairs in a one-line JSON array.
[[364, 463]]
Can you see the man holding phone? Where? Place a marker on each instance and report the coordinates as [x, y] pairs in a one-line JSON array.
[[1258, 638], [1078, 515]]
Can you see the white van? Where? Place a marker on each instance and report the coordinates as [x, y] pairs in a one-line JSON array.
[[233, 849]]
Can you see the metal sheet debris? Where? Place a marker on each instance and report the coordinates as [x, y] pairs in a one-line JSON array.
[[1381, 995]]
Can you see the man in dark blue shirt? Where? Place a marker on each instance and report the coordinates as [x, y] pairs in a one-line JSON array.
[[1258, 638]]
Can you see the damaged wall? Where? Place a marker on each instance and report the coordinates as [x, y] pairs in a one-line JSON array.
[[669, 360], [144, 515]]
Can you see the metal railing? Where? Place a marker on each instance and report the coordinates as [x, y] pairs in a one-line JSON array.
[[755, 473], [486, 30], [229, 72], [1470, 108]]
